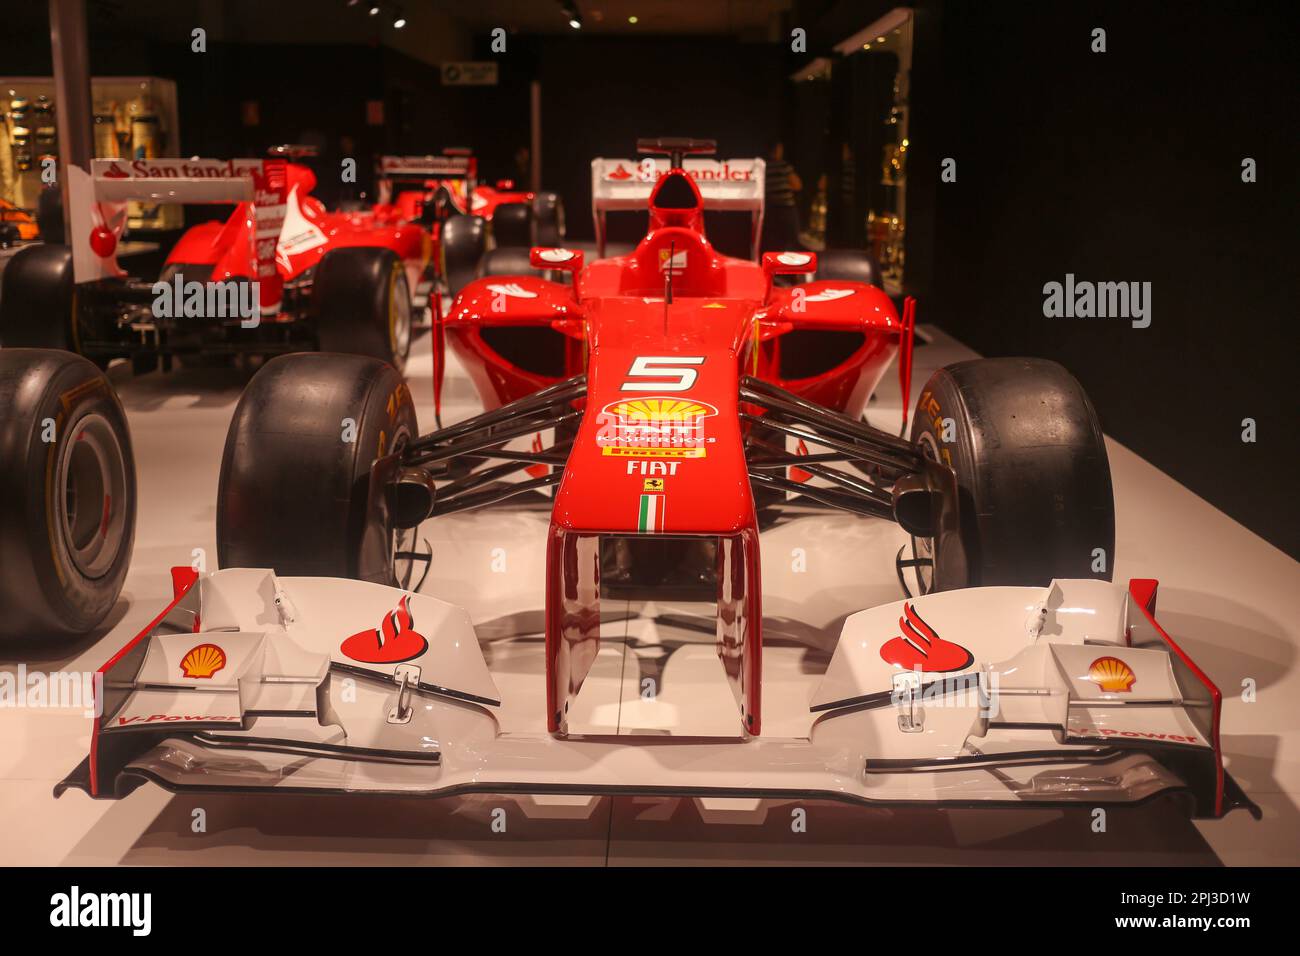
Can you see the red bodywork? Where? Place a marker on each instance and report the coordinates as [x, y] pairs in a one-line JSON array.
[[308, 233], [660, 447]]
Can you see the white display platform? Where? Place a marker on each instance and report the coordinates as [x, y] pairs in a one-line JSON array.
[[1225, 594]]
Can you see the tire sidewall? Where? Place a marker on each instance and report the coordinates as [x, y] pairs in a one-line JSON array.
[[292, 493], [1034, 502], [37, 299], [356, 294], [49, 593]]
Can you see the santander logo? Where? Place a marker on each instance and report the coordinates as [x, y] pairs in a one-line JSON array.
[[618, 173], [919, 648], [394, 641]]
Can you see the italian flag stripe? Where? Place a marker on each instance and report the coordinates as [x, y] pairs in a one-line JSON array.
[[651, 516]]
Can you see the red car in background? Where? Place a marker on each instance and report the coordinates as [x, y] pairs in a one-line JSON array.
[[466, 219], [280, 274]]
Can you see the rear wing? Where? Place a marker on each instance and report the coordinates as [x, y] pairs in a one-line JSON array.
[[460, 168], [98, 201], [734, 185]]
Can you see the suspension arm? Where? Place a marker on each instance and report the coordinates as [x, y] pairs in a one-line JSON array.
[[841, 500], [558, 394], [758, 392]]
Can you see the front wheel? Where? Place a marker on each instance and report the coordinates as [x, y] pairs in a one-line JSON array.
[[1033, 479], [296, 469], [67, 494]]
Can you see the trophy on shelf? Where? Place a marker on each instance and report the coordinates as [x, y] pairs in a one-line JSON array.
[[105, 133], [44, 130], [145, 129], [20, 133]]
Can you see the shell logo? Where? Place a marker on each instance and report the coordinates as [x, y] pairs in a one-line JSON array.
[[203, 660], [1112, 675], [659, 409], [654, 428]]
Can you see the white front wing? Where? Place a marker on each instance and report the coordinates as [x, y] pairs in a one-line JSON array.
[[985, 696]]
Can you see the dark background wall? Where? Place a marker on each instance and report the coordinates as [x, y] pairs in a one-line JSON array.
[[597, 99], [1125, 166], [1122, 166]]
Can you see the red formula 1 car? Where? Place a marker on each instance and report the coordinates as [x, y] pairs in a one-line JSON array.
[[280, 274], [676, 381], [475, 227]]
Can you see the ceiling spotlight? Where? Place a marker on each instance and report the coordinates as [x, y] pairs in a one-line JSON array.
[[631, 19], [570, 11], [575, 23], [398, 22], [374, 10]]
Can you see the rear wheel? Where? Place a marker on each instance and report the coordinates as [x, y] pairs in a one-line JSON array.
[[512, 224], [362, 304], [36, 298], [67, 494], [1033, 477], [848, 265], [295, 473], [548, 216], [462, 241]]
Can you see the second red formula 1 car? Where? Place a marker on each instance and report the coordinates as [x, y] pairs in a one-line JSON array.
[[279, 274], [695, 408]]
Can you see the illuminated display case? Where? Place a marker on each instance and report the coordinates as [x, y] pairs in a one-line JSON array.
[[135, 118]]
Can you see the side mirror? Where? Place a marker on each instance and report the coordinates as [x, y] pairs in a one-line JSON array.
[[788, 263], [554, 257]]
